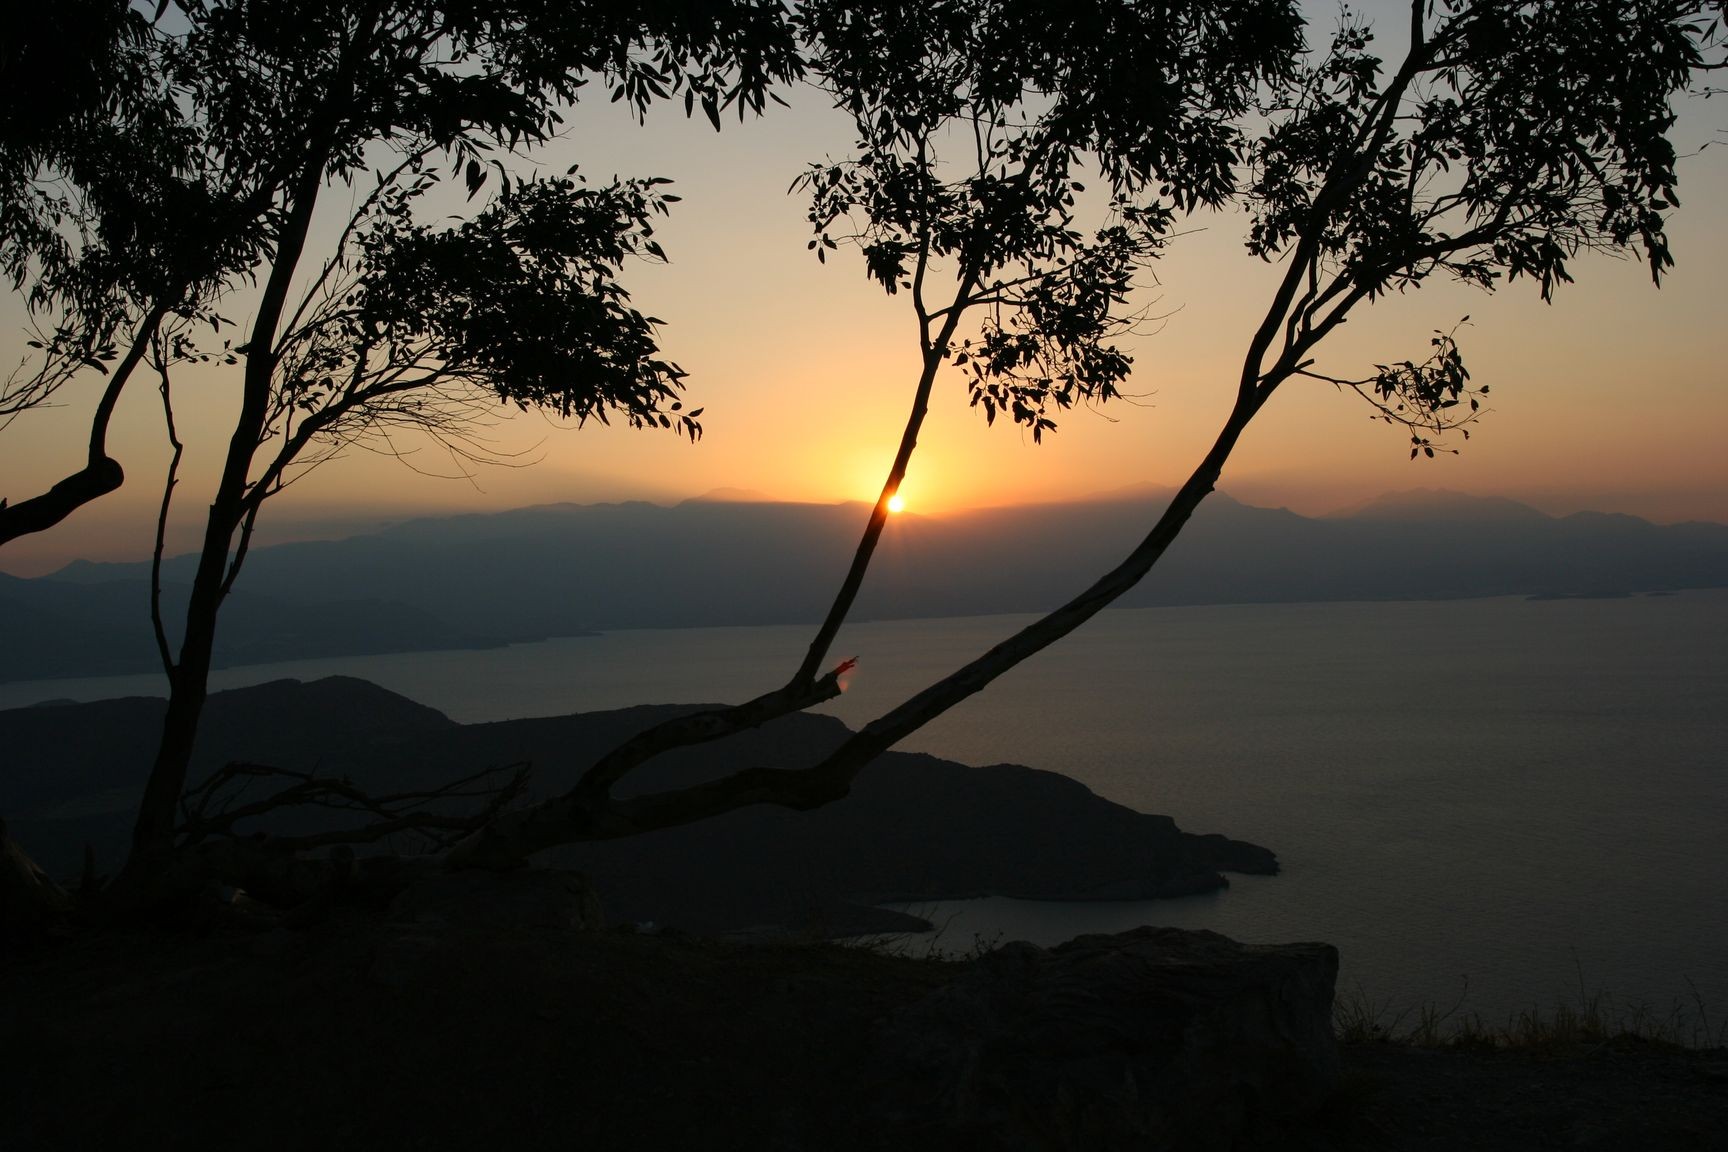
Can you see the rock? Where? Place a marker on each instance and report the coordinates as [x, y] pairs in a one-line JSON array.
[[1152, 1039]]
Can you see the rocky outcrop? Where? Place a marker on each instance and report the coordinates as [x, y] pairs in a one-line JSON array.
[[1151, 1039]]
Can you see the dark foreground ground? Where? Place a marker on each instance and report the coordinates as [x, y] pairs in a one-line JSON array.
[[345, 1037]]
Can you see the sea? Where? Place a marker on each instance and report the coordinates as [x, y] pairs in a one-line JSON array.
[[1489, 806]]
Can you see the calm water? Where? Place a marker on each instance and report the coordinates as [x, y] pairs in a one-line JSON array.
[[1520, 796]]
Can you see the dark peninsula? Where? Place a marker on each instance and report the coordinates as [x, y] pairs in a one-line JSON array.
[[916, 827]]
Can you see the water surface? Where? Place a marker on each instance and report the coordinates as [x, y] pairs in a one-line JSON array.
[[1512, 795]]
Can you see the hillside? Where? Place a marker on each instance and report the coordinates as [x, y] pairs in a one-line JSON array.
[[914, 828]]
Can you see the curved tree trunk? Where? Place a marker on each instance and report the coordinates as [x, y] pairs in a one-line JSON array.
[[189, 678], [101, 473], [40, 513]]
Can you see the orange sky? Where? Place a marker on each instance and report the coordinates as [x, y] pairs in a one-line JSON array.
[[1612, 398]]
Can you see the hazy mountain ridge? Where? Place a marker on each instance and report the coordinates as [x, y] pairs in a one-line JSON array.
[[1438, 504], [553, 570]]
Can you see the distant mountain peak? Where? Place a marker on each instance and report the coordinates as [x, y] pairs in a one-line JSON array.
[[1438, 504], [731, 496]]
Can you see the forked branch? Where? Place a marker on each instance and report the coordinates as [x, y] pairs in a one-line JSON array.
[[215, 808]]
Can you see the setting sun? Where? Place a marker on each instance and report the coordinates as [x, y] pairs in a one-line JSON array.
[[896, 503]]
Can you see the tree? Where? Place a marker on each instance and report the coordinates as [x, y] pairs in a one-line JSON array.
[[1513, 135], [187, 159], [149, 176]]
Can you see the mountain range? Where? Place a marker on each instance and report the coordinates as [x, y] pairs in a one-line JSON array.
[[566, 569]]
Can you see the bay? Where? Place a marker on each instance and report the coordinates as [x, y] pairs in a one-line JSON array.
[[1490, 803]]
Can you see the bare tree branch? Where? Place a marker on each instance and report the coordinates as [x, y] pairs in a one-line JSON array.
[[209, 809]]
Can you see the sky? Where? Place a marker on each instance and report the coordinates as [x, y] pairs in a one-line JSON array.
[[1612, 398]]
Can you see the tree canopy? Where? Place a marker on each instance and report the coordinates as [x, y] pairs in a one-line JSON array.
[[1513, 135], [185, 155], [188, 159]]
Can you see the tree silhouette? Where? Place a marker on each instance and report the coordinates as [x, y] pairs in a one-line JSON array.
[[90, 201], [187, 160], [1513, 135], [178, 159], [1016, 166]]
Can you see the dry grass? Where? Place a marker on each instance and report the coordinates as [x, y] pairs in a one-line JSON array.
[[1589, 1018]]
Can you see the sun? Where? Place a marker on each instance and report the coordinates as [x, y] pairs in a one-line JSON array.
[[896, 503]]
